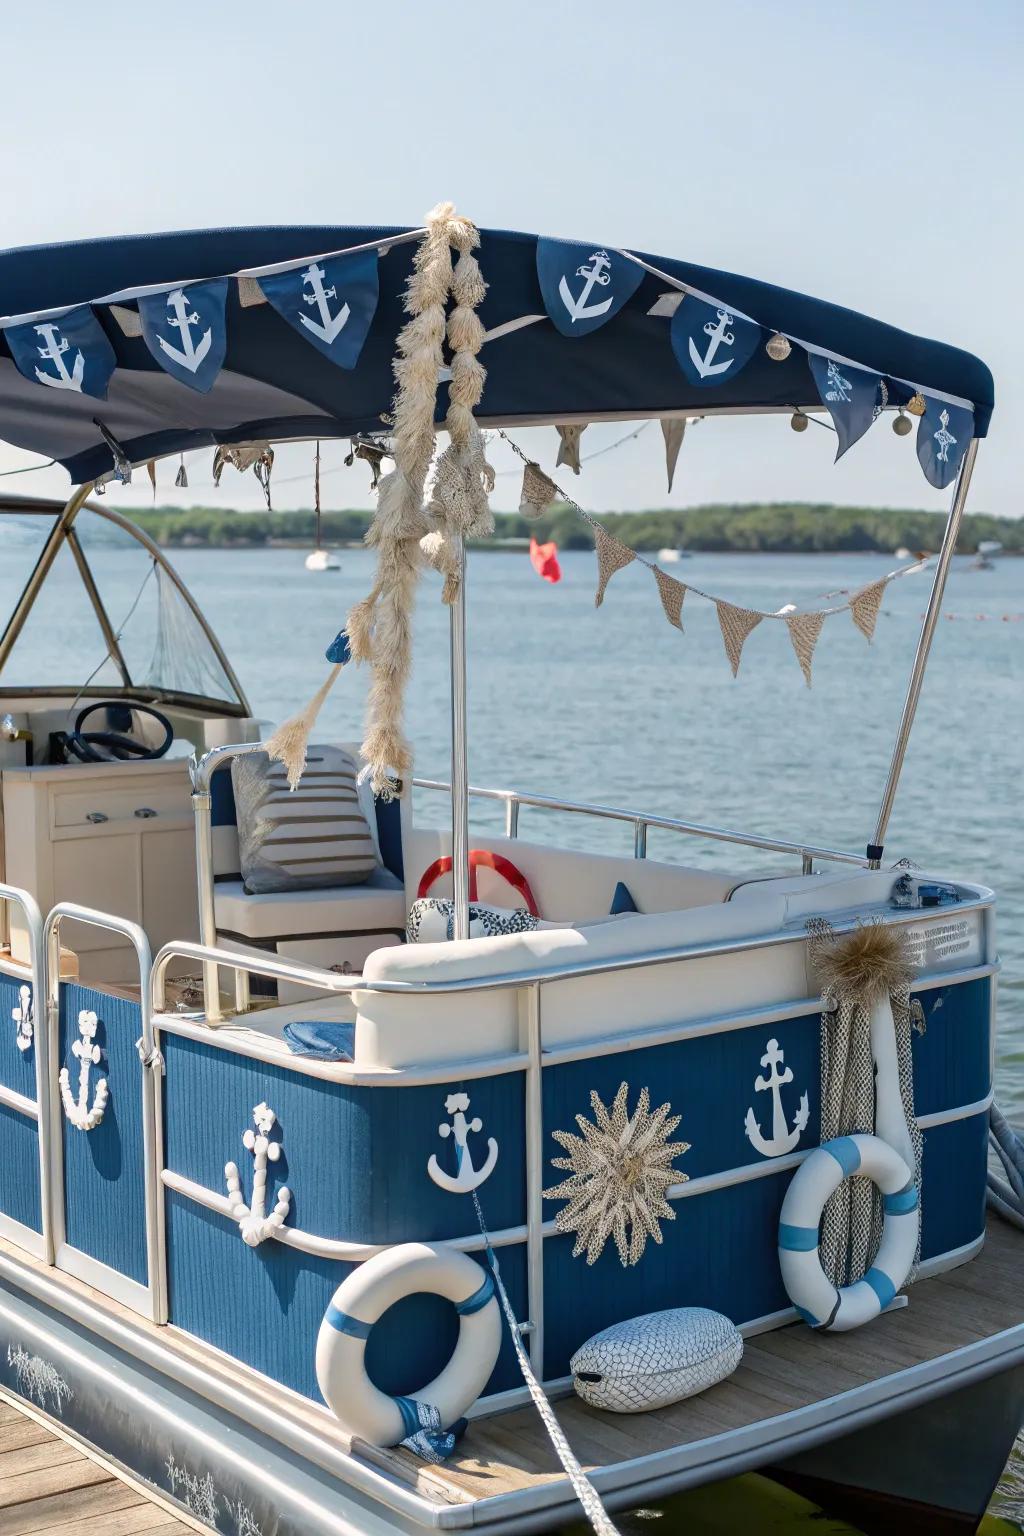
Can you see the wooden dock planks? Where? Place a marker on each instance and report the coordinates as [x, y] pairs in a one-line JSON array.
[[48, 1487]]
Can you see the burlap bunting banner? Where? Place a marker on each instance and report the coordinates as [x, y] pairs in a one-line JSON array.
[[538, 492], [804, 630], [864, 607], [673, 432], [671, 593], [611, 557], [736, 624], [569, 446]]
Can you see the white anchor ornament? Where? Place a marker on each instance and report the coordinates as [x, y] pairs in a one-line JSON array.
[[22, 1016], [782, 1139], [89, 1054], [721, 336], [328, 326], [253, 1222], [598, 272], [53, 352], [467, 1177], [191, 354]]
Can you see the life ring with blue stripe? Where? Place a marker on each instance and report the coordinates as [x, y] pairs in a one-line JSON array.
[[405, 1270], [817, 1300]]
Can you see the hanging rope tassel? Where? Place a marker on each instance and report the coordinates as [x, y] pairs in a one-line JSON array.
[[290, 742]]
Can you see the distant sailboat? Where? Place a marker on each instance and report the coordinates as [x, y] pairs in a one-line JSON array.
[[320, 559]]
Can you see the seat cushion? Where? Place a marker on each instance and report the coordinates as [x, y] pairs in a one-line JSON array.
[[376, 906], [315, 836]]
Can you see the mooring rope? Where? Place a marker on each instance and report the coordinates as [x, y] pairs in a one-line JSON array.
[[581, 1484], [1006, 1196]]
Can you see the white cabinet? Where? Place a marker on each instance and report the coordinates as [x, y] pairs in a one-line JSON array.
[[117, 836]]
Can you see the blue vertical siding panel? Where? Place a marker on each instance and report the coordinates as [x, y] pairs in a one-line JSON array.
[[19, 1168], [104, 1169], [17, 1068], [953, 1185], [952, 1058]]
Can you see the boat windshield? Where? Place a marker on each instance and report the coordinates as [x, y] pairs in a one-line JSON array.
[[109, 613]]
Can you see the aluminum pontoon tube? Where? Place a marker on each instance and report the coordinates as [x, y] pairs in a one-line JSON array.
[[924, 646], [50, 551], [460, 765]]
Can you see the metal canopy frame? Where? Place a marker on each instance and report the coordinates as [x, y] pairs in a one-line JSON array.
[[64, 532]]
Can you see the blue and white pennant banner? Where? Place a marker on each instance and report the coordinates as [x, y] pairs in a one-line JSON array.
[[852, 397], [584, 286], [71, 352], [942, 437], [186, 331], [711, 343], [330, 301]]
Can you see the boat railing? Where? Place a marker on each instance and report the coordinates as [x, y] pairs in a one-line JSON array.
[[642, 821]]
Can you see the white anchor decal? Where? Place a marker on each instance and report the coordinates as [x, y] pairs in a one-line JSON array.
[[89, 1054], [944, 438], [467, 1177], [328, 325], [839, 392], [782, 1140], [721, 336], [253, 1221], [22, 1016], [54, 350], [598, 272], [183, 319]]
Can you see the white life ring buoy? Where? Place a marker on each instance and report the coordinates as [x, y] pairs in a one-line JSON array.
[[815, 1297], [360, 1407]]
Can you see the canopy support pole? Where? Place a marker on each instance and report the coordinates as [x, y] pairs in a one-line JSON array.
[[43, 565], [460, 757], [924, 646]]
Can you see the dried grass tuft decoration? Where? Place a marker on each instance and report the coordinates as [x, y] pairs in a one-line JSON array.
[[873, 961]]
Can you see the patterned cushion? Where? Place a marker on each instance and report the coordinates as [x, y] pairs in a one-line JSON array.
[[311, 838], [432, 920], [651, 1361]]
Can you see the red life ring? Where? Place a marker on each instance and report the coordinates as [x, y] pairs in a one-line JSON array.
[[481, 857]]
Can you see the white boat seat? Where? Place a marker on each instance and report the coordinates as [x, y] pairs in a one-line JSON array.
[[378, 906]]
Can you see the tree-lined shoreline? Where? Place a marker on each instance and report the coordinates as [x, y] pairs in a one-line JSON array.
[[768, 528]]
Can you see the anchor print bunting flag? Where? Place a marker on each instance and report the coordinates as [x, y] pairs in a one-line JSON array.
[[711, 343], [851, 396], [186, 331], [584, 286], [942, 437], [331, 302], [71, 352]]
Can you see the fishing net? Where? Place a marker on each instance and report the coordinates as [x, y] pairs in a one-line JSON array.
[[183, 659]]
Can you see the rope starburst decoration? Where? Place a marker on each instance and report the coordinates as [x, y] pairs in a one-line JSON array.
[[619, 1170]]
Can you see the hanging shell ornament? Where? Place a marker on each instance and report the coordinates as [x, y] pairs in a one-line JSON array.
[[902, 424], [798, 421], [917, 404], [778, 347]]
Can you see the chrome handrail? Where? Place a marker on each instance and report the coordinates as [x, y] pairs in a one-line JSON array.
[[152, 1132], [641, 820]]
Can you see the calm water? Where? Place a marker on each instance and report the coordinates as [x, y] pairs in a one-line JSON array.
[[616, 706]]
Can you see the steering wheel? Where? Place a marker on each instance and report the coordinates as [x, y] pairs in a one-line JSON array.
[[481, 857], [118, 745]]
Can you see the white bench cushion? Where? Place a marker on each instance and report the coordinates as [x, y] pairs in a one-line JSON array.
[[376, 906]]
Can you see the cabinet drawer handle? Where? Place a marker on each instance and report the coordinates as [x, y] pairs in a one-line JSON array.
[[97, 816], [145, 812]]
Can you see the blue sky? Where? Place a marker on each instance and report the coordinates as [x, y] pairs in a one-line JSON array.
[[868, 153]]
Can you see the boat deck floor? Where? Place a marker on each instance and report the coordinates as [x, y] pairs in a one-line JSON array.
[[793, 1388], [49, 1486]]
